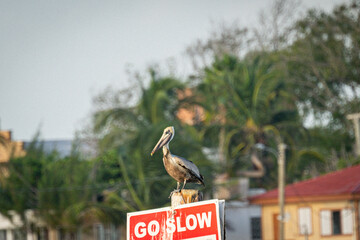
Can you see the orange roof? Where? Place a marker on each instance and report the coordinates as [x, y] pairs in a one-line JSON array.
[[344, 183]]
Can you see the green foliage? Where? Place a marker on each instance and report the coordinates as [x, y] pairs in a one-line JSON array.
[[54, 188], [134, 132], [324, 63], [64, 184], [260, 97], [21, 185], [246, 102]]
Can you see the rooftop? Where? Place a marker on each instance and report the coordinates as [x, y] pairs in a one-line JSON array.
[[344, 183]]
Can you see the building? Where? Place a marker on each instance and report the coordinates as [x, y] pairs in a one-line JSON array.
[[65, 147], [242, 219], [9, 148], [189, 114], [326, 207]]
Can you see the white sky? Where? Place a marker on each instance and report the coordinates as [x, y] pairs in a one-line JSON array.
[[56, 55]]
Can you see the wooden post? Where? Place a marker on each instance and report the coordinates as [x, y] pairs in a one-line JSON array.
[[185, 196]]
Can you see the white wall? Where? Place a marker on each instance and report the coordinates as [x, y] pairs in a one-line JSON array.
[[6, 224], [237, 219]]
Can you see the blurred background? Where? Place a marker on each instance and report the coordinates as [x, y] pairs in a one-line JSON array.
[[87, 88]]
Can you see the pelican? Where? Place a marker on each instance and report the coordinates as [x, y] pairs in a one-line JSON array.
[[179, 168]]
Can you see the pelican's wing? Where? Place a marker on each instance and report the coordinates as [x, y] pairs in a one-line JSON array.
[[188, 165]]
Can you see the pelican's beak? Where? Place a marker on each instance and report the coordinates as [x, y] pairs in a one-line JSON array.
[[165, 138]]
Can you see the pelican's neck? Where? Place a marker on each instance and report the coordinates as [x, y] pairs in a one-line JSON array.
[[166, 149]]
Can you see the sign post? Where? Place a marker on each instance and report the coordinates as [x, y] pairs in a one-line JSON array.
[[194, 221]]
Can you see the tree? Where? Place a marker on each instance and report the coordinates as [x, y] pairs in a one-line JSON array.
[[322, 68], [63, 185], [274, 30], [324, 64], [130, 133], [246, 102], [225, 39], [55, 190], [20, 188]]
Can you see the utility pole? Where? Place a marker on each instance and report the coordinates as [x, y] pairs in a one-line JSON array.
[[281, 186], [355, 118]]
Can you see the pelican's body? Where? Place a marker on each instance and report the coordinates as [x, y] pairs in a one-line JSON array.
[[179, 168]]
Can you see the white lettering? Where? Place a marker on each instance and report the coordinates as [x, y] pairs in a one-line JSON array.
[[179, 227], [170, 225], [194, 224], [204, 219], [153, 231], [142, 232]]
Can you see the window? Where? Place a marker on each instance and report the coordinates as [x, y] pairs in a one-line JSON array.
[[336, 222], [305, 221], [99, 232], [3, 234], [106, 232], [18, 234], [65, 235], [255, 228], [42, 234], [336, 230]]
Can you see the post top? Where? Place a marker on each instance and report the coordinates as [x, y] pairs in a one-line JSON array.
[[186, 196]]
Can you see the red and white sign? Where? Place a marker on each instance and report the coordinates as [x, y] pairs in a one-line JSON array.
[[194, 221]]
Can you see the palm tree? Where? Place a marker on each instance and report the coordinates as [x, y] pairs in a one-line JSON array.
[[130, 133], [246, 103]]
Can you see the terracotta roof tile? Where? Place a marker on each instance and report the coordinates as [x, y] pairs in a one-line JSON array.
[[345, 181]]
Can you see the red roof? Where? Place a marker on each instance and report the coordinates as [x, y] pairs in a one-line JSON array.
[[343, 182]]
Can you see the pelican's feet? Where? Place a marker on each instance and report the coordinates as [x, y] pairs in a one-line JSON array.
[[175, 191]]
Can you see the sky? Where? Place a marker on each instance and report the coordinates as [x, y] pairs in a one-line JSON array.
[[55, 56]]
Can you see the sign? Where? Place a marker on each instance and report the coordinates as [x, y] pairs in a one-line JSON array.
[[194, 221]]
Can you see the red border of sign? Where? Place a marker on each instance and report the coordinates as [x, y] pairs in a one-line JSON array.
[[214, 201]]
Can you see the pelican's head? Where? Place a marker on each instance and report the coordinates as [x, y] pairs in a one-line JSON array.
[[166, 137]]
